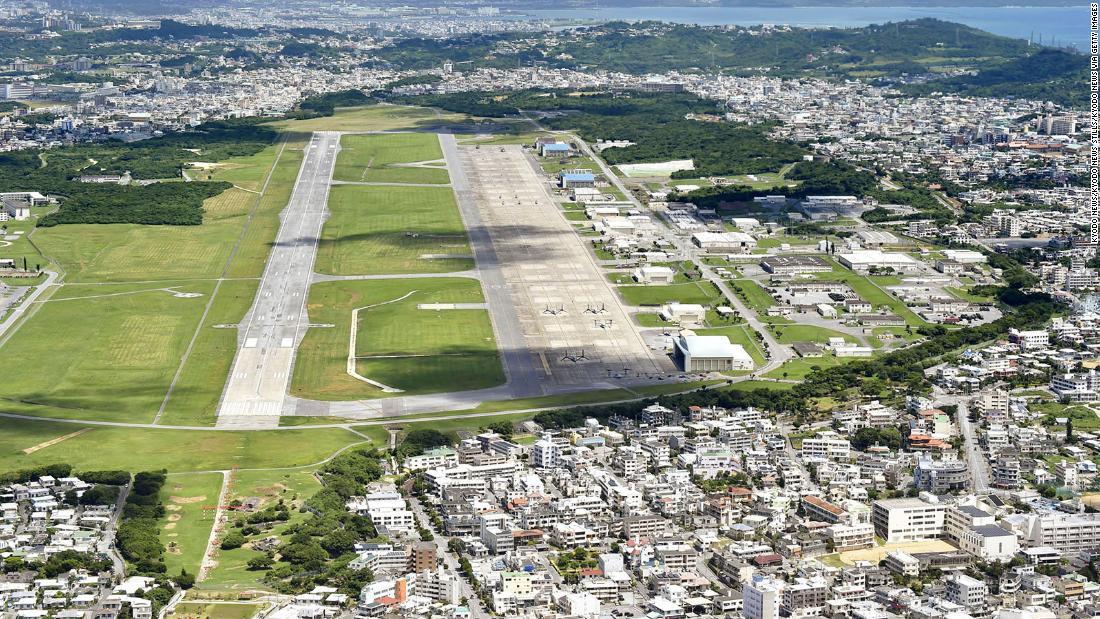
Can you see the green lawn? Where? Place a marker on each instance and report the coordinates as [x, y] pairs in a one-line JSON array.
[[376, 158], [753, 294], [194, 401], [458, 348], [797, 369], [101, 352], [789, 334], [392, 230], [186, 525], [703, 293], [139, 449], [966, 295]]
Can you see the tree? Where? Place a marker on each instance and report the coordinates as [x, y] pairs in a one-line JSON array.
[[233, 539], [262, 562], [185, 580], [1069, 431]]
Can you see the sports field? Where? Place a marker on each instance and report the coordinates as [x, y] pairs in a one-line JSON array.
[[392, 229], [417, 350], [385, 157]]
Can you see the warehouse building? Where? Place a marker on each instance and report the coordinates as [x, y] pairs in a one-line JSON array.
[[794, 265], [724, 242], [710, 353], [862, 260]]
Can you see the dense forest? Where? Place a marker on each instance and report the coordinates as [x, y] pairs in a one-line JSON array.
[[1047, 75], [661, 126], [157, 158], [815, 177]]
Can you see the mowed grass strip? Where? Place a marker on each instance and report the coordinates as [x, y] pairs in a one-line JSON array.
[[139, 449], [186, 525], [106, 353], [452, 349], [194, 401], [375, 230], [372, 158]]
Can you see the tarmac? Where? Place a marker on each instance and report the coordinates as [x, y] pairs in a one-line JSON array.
[[269, 335]]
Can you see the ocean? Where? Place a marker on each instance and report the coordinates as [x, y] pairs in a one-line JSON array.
[[1062, 26]]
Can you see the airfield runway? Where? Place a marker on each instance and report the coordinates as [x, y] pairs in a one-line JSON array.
[[269, 335]]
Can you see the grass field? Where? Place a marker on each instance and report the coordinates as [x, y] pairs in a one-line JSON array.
[[374, 118], [797, 369], [459, 349], [186, 526], [372, 158], [113, 367], [131, 252], [391, 230], [703, 293], [194, 400], [139, 449], [754, 295], [789, 334], [205, 610], [290, 486]]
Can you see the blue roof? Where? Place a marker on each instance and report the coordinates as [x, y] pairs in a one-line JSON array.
[[578, 176], [555, 146]]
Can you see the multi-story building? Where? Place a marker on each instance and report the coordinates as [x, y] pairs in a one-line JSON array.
[[805, 597], [968, 592], [907, 520], [941, 476], [1068, 533], [762, 596]]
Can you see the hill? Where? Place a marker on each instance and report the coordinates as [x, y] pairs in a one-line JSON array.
[[1048, 74]]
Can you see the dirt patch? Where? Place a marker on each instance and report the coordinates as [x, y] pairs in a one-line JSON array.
[[174, 517], [169, 526], [186, 500], [173, 508], [55, 441]]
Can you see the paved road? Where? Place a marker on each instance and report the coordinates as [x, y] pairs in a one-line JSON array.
[[27, 302], [975, 459], [519, 364], [777, 353], [269, 335]]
